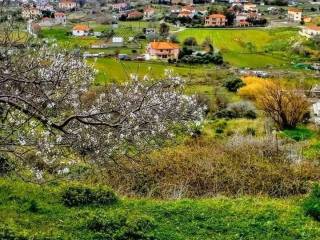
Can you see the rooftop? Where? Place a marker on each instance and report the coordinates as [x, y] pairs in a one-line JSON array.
[[164, 45]]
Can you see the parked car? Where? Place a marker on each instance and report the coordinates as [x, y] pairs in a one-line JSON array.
[[124, 57]]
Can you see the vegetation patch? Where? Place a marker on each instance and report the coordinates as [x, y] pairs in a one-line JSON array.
[[311, 204], [299, 133], [83, 195]]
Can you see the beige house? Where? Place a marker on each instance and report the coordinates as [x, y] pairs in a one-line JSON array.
[[163, 50], [67, 4], [215, 20], [148, 12], [294, 14], [60, 18], [249, 7], [30, 12]]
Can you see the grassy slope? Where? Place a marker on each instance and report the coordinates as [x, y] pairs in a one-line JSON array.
[[217, 218], [112, 70], [232, 44]]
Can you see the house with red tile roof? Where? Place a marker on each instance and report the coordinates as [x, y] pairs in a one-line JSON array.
[[294, 14], [148, 12], [215, 20], [187, 11], [310, 31], [60, 18], [134, 15], [163, 50], [80, 30]]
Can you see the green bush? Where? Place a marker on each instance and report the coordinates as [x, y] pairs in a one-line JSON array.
[[120, 226], [233, 84], [242, 109], [299, 133], [84, 195], [250, 131], [311, 204], [9, 233]]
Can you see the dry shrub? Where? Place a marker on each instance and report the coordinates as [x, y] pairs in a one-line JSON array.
[[242, 165]]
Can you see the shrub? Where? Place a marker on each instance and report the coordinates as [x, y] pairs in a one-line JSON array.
[[121, 226], [311, 204], [5, 166], [84, 195], [233, 84], [9, 233], [242, 109], [206, 167], [250, 131], [299, 134], [34, 207]]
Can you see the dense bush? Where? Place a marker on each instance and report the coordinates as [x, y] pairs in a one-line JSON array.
[[242, 109], [311, 204], [5, 166], [233, 84], [84, 195], [121, 226], [201, 168], [9, 233], [202, 58]]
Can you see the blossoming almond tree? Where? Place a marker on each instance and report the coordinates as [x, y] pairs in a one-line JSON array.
[[49, 108]]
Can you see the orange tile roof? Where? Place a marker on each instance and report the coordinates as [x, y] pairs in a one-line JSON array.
[[60, 14], [135, 14], [316, 28], [81, 27], [164, 45], [294, 10], [216, 16]]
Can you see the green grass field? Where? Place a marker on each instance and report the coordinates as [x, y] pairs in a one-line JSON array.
[[233, 44], [37, 212], [115, 71]]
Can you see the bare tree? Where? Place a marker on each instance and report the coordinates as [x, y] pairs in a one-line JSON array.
[[286, 107]]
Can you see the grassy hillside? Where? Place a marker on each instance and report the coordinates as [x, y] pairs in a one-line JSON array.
[[113, 70], [233, 43], [37, 212]]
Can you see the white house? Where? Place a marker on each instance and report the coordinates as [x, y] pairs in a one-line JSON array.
[[80, 30], [60, 18], [249, 7], [316, 112], [117, 41], [294, 14], [310, 31]]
